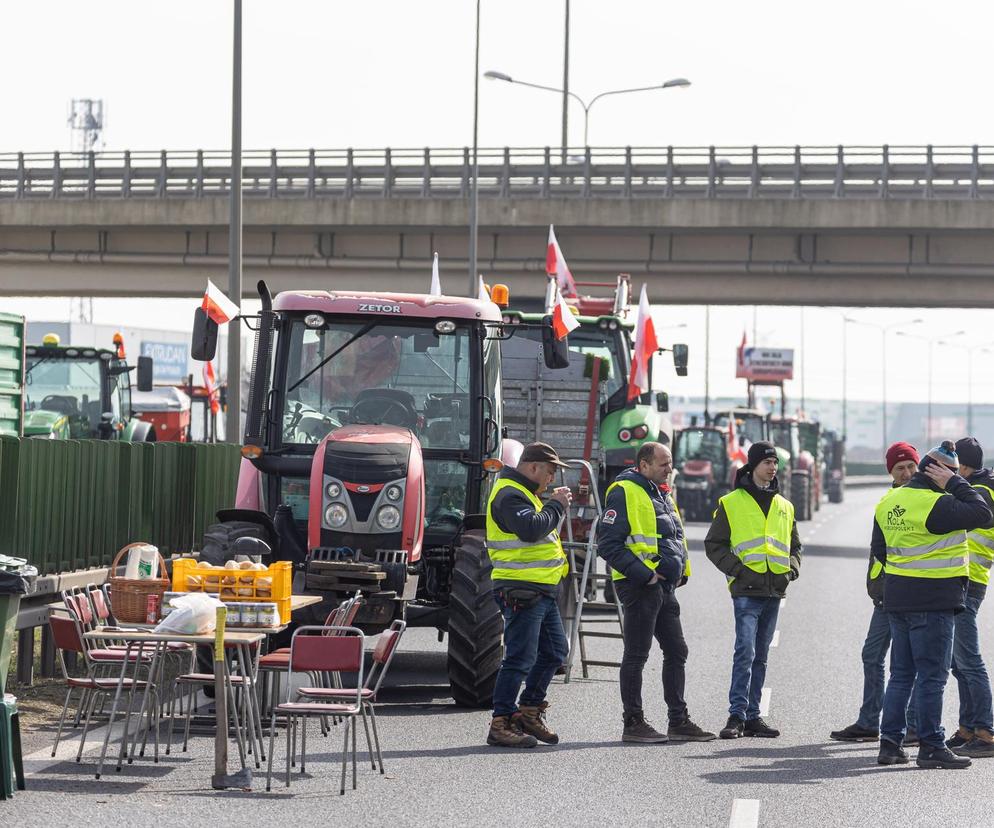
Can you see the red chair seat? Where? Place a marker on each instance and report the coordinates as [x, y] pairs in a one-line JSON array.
[[319, 709], [103, 683], [275, 660], [117, 655], [281, 651], [333, 692], [204, 678]]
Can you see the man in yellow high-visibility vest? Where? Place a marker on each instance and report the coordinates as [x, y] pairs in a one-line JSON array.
[[528, 564], [975, 735], [920, 537], [753, 540]]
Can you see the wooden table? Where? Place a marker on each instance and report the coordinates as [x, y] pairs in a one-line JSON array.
[[241, 640]]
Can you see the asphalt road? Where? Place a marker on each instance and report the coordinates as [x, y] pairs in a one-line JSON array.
[[439, 770]]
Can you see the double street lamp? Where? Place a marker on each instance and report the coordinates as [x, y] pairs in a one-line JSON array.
[[670, 84]]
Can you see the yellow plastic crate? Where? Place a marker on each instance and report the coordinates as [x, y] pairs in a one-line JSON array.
[[237, 584]]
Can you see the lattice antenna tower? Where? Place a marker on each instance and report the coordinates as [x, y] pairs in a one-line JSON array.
[[87, 121]]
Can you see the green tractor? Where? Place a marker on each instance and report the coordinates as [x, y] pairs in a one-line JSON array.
[[750, 425], [75, 392], [606, 334]]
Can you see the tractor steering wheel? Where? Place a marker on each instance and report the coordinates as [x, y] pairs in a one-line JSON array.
[[380, 409]]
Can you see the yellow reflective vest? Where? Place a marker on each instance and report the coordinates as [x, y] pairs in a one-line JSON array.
[[539, 562], [642, 536], [761, 542], [980, 543], [913, 551]]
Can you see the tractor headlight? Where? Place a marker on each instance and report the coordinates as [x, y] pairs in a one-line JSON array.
[[394, 493], [624, 435], [388, 517], [333, 490], [336, 515], [639, 432]]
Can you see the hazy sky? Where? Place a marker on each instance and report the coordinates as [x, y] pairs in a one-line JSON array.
[[396, 73]]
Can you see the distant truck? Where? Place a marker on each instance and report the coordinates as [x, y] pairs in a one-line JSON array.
[[74, 392], [11, 375]]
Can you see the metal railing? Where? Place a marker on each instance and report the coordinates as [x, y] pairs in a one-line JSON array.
[[854, 172]]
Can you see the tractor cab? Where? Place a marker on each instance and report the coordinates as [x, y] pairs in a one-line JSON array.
[[704, 469], [77, 392]]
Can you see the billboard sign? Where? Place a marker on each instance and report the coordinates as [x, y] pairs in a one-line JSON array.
[[169, 359], [765, 364]]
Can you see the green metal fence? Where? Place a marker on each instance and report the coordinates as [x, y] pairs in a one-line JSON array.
[[11, 374], [71, 504]]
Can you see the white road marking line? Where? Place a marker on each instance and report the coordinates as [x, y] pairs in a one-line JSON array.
[[776, 638], [745, 813], [764, 702]]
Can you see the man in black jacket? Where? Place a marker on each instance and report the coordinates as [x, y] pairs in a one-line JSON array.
[[646, 582], [758, 575], [919, 535]]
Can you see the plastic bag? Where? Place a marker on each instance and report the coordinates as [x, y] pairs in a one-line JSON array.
[[193, 614]]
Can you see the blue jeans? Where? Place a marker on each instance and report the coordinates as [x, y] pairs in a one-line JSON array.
[[922, 643], [534, 647], [970, 671], [755, 623], [874, 661]]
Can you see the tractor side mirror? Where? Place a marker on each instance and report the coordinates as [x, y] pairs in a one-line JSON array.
[[680, 354], [144, 373], [203, 346], [662, 402], [555, 351]]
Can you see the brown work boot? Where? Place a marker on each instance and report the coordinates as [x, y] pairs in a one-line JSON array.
[[532, 720], [503, 733], [981, 746]]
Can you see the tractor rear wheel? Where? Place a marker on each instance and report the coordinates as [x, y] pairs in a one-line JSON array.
[[800, 489], [475, 626]]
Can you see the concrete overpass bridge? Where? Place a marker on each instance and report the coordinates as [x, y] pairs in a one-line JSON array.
[[884, 226]]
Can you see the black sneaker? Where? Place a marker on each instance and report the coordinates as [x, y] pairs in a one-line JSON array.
[[933, 757], [687, 731], [891, 754], [855, 733], [758, 727], [910, 738], [638, 730], [733, 728], [978, 747], [961, 737]]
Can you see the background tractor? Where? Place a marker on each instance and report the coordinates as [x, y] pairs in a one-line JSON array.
[[705, 469], [77, 392], [374, 422]]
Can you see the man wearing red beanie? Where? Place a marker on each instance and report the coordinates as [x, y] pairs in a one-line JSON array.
[[902, 462]]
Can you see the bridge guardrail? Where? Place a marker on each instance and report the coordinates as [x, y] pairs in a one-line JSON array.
[[71, 504], [858, 172]]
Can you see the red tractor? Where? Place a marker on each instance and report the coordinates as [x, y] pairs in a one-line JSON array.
[[374, 424]]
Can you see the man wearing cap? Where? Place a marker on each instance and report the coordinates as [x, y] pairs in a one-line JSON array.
[[528, 564], [902, 462], [641, 537], [753, 540], [919, 536], [975, 735]]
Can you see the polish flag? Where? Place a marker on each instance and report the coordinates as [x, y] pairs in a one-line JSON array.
[[563, 320], [646, 345], [555, 265], [484, 294], [210, 383], [218, 306], [436, 284], [740, 354]]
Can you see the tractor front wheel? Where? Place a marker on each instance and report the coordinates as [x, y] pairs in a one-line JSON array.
[[475, 626]]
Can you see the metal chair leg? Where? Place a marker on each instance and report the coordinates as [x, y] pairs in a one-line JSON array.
[[345, 756], [62, 719], [369, 742], [86, 726], [303, 743], [376, 736], [352, 719], [272, 738]]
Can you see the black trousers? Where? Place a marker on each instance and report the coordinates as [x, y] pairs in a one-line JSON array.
[[651, 612]]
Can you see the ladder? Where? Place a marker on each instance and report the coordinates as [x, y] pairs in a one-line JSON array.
[[587, 577]]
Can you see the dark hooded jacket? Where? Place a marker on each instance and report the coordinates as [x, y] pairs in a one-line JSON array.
[[614, 528], [718, 545], [963, 510]]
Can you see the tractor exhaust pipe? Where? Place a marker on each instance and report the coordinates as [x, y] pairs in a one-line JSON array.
[[255, 419]]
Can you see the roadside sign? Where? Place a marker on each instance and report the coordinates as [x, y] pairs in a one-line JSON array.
[[765, 364], [170, 359]]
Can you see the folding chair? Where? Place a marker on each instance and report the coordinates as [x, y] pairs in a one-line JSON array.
[[383, 652], [324, 650]]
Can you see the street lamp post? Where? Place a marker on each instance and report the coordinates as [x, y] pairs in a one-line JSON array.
[[474, 203], [233, 416], [707, 364], [670, 84]]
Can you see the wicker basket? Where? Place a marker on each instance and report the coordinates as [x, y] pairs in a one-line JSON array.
[[129, 596]]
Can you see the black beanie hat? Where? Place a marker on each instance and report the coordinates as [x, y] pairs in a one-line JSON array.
[[760, 451], [970, 453]]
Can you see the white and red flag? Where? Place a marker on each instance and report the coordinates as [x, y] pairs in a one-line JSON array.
[[646, 345], [436, 283], [555, 265], [563, 320], [210, 383], [217, 305], [484, 294]]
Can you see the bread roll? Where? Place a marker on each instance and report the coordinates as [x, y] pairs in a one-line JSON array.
[[194, 583], [231, 565], [246, 565]]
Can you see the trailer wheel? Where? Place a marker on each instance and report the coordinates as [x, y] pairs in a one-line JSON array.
[[475, 626], [800, 489]]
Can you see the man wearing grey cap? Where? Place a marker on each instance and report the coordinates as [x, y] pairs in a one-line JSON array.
[[528, 564]]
